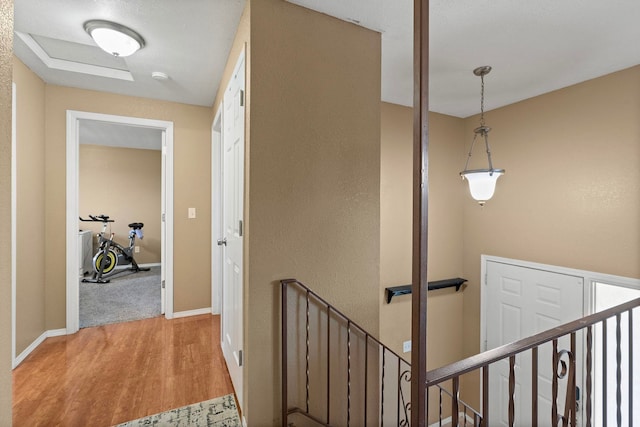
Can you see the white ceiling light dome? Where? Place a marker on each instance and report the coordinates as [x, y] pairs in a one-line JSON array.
[[114, 38]]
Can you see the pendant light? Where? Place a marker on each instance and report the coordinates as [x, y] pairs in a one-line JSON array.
[[482, 182], [114, 38]]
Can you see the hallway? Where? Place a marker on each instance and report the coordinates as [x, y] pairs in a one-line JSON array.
[[109, 374]]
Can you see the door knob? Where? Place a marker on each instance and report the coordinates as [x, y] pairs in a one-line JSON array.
[[222, 241]]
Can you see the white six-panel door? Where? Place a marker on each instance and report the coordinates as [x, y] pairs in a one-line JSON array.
[[233, 221], [521, 302]]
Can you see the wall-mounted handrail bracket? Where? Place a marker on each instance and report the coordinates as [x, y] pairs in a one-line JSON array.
[[436, 284]]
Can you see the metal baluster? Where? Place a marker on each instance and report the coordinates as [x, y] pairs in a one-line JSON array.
[[512, 390], [630, 367], [534, 386], [283, 350], [366, 375], [618, 371], [455, 395], [348, 373], [587, 398], [554, 385], [485, 396], [307, 353], [604, 371], [572, 381], [399, 391], [382, 392], [328, 364], [440, 407]]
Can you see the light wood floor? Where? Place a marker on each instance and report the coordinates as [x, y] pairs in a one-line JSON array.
[[110, 374]]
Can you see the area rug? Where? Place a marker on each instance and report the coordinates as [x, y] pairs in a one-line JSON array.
[[218, 412], [128, 296]]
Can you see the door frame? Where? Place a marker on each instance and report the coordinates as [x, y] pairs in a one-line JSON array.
[[72, 193], [216, 213], [14, 221], [589, 278]]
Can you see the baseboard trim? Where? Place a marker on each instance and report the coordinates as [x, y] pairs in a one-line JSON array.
[[195, 312], [27, 351]]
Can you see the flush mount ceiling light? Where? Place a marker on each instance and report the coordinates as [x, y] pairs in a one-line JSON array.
[[482, 182], [114, 38]]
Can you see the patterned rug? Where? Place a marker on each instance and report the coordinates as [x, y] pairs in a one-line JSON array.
[[218, 412]]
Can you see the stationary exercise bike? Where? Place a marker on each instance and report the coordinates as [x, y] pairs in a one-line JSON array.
[[111, 253]]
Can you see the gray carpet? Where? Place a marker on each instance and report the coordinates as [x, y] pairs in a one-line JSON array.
[[219, 412], [127, 297]]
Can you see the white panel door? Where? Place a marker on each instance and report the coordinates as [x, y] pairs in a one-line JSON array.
[[521, 302], [232, 217]]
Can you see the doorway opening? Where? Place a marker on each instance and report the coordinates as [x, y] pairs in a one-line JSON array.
[[164, 129]]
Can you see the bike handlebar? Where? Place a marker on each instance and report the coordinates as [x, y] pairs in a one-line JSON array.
[[97, 218]]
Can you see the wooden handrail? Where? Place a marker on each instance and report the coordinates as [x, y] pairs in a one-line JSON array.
[[477, 361]]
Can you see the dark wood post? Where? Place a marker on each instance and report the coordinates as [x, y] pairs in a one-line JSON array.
[[420, 213]]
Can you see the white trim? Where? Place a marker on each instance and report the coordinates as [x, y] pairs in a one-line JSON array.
[[14, 217], [76, 67], [73, 135], [188, 313], [216, 212], [27, 351]]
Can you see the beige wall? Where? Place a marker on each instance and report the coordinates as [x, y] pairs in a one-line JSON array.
[[133, 194], [30, 278], [313, 187], [6, 48], [445, 231], [445, 307], [571, 192], [192, 188]]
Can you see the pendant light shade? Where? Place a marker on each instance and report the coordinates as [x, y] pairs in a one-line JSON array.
[[482, 182], [114, 38]]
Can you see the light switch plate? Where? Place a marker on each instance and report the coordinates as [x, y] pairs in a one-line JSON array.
[[406, 346], [192, 213]]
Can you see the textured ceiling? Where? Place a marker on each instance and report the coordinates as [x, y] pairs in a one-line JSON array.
[[188, 40], [534, 46]]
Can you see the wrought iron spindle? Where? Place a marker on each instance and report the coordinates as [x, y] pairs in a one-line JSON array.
[[307, 355], [348, 373], [512, 390], [366, 375], [455, 392], [630, 367], [588, 375], [604, 371], [283, 356], [618, 370], [399, 392], [328, 364], [485, 396], [440, 408], [534, 386], [554, 385], [382, 389]]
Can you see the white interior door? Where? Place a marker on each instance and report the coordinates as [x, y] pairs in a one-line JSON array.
[[232, 217], [521, 302]]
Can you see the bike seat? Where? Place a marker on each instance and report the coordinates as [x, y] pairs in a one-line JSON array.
[[136, 225]]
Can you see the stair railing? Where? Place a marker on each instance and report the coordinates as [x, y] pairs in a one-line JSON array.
[[563, 363], [334, 373]]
